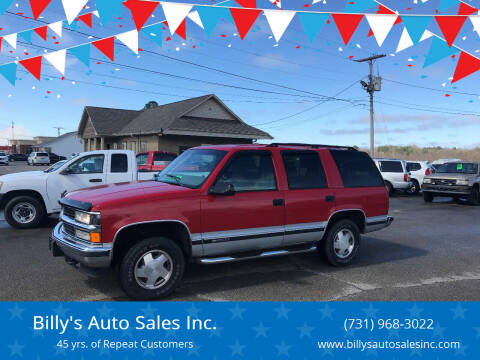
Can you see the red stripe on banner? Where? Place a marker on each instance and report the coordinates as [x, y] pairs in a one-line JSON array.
[[244, 19], [42, 32], [347, 24], [87, 19], [141, 11], [38, 6], [467, 65], [33, 66], [106, 46], [450, 26]]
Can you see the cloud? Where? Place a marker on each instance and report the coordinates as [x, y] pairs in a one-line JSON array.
[[21, 132]]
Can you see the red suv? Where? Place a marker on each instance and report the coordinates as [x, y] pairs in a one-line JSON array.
[[223, 203]]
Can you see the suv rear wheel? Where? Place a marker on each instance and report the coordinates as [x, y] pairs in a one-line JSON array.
[[342, 242], [390, 189], [415, 188], [24, 212], [152, 269]]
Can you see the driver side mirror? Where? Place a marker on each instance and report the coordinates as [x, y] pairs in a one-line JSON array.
[[222, 188], [66, 171]]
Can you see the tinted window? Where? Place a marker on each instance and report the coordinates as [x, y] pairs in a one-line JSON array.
[[119, 163], [92, 164], [458, 168], [304, 170], [413, 166], [250, 171], [161, 158], [391, 166], [142, 159], [42, 154], [2, 154], [356, 169]]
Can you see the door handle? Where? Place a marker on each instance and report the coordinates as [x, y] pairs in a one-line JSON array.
[[329, 198], [95, 180], [278, 202]]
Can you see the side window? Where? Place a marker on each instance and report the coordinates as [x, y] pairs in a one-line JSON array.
[[391, 166], [162, 158], [357, 169], [411, 166], [304, 170], [250, 171], [119, 163], [92, 164], [142, 159]]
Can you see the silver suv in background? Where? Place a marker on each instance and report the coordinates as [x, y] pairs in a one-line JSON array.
[[38, 158], [395, 174], [418, 170], [3, 158]]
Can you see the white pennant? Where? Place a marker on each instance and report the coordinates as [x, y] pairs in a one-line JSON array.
[[279, 21], [130, 39], [476, 23], [11, 40], [381, 24], [57, 59], [56, 27], [405, 40], [175, 13], [72, 8], [196, 18]]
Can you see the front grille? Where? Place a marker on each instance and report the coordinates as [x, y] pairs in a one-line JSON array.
[[68, 229], [444, 182], [69, 212]]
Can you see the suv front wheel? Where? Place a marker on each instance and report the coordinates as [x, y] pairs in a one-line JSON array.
[[341, 243], [152, 269]]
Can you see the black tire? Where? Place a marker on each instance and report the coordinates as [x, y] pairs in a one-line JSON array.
[[474, 197], [128, 264], [390, 189], [415, 188], [38, 215], [427, 197], [327, 245]]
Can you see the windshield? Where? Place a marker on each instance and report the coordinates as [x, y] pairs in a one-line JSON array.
[[55, 166], [192, 168], [458, 168], [2, 154]]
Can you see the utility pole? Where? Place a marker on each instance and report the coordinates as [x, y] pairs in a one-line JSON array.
[[374, 84], [13, 130], [58, 129]]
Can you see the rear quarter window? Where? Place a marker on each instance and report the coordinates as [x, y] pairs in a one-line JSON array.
[[391, 166], [357, 169], [42, 154]]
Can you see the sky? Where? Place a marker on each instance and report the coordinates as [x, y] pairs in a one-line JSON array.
[[416, 105]]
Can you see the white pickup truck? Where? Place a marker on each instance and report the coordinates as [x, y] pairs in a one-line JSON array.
[[28, 197]]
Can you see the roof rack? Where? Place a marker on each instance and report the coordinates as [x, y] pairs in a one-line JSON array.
[[313, 146]]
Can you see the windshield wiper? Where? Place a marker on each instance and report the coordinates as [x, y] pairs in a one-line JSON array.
[[177, 178]]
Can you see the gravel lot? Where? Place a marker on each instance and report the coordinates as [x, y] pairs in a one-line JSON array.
[[430, 252]]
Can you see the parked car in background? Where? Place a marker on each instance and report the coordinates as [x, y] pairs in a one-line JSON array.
[[154, 160], [417, 171], [395, 174], [17, 157], [436, 164], [455, 179], [223, 203], [55, 158], [3, 158], [38, 158]]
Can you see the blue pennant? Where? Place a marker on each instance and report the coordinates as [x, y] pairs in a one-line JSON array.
[[4, 5], [312, 23], [154, 32], [445, 4], [439, 50], [72, 26], [210, 17], [27, 35], [107, 9], [416, 26], [82, 52], [358, 6], [9, 72]]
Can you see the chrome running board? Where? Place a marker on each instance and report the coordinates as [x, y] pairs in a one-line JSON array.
[[225, 259]]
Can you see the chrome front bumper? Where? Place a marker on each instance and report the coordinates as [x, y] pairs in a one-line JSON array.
[[88, 255], [377, 222]]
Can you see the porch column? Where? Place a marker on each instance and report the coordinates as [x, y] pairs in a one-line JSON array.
[[89, 145], [102, 143], [84, 144]]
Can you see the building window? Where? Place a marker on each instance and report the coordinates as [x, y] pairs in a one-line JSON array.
[[115, 146], [124, 146], [143, 146], [133, 145]]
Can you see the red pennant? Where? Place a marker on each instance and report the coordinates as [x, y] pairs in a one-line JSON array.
[[141, 11], [383, 10], [33, 66], [38, 6], [244, 19], [87, 19], [0, 44], [467, 64], [466, 9], [450, 26], [248, 3], [182, 30], [347, 24], [106, 46], [42, 32]]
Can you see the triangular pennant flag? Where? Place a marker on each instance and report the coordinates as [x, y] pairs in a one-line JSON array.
[[56, 28], [476, 23], [106, 46], [247, 3], [130, 39], [277, 3], [466, 9], [141, 11], [358, 6], [38, 6], [72, 26], [72, 8], [445, 4], [438, 51], [42, 32], [86, 19], [278, 21], [244, 19], [467, 64], [0, 44], [450, 26], [381, 25], [82, 52], [312, 23], [27, 35], [154, 32], [4, 5], [106, 9], [11, 39], [384, 10], [426, 35], [57, 59], [9, 72], [416, 26], [405, 41], [33, 66], [175, 13], [210, 17], [195, 18], [182, 30], [347, 24]]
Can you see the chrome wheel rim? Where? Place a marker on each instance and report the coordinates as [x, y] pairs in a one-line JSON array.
[[24, 212], [153, 269], [343, 243]]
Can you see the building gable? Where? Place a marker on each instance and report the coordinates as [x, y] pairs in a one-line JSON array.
[[211, 109], [88, 130]]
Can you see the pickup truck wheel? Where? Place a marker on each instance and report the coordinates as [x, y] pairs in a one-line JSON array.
[[341, 243], [24, 212], [152, 269], [427, 197], [474, 197]]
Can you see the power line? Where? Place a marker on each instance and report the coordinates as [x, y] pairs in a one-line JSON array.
[[429, 88]]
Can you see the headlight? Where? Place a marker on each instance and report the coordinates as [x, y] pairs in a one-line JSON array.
[[84, 235], [427, 181], [83, 217], [1, 183], [463, 182]]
